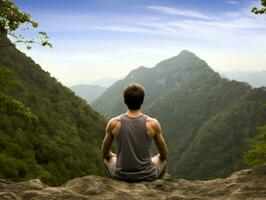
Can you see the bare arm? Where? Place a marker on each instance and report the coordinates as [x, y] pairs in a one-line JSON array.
[[159, 141], [107, 141]]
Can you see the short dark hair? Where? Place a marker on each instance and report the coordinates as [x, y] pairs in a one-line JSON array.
[[134, 96]]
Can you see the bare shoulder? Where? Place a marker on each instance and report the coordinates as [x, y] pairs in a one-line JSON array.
[[114, 120], [113, 125], [154, 123], [153, 126]]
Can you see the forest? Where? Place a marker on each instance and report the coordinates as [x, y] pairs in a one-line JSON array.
[[46, 131]]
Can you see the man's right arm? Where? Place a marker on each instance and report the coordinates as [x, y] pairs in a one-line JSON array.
[[107, 141], [159, 140]]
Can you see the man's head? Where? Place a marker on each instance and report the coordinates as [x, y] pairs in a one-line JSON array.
[[134, 96]]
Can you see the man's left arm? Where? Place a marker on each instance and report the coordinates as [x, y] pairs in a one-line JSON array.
[[159, 141]]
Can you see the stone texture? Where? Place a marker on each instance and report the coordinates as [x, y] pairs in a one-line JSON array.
[[246, 184]]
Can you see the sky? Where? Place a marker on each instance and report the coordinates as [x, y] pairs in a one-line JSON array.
[[97, 39]]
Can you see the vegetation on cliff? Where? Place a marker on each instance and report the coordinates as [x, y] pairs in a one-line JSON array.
[[46, 131]]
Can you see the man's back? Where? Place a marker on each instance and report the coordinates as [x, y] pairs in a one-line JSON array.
[[133, 150], [134, 132]]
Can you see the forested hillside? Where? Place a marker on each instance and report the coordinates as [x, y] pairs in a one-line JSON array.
[[218, 146], [207, 121], [46, 131]]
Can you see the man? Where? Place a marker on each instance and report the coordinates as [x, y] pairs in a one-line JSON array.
[[133, 132]]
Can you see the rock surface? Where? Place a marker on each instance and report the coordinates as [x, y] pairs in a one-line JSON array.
[[245, 184]]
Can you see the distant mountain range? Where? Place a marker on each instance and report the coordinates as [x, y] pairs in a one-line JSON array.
[[254, 78], [88, 92], [104, 82], [207, 120], [93, 90]]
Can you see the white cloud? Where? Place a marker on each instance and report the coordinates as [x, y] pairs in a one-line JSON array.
[[233, 2], [181, 12]]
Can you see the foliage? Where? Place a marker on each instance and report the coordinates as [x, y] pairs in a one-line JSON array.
[[261, 10], [220, 142], [12, 18], [8, 105], [46, 131], [256, 154]]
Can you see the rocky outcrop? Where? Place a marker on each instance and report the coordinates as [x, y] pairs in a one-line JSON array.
[[245, 184]]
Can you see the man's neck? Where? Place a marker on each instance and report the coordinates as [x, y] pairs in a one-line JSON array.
[[133, 113]]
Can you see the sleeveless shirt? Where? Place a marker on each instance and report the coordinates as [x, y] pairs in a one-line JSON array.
[[133, 151]]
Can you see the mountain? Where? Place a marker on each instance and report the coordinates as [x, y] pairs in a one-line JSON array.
[[207, 120], [254, 78], [46, 131], [245, 184], [158, 81], [88, 92], [104, 82]]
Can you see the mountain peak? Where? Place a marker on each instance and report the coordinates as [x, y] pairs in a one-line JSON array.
[[185, 59], [186, 53], [142, 67]]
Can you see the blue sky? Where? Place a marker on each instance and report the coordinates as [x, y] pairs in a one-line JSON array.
[[96, 39]]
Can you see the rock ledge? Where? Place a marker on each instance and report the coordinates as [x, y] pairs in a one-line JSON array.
[[244, 184]]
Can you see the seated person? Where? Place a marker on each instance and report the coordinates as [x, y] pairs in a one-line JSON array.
[[133, 132]]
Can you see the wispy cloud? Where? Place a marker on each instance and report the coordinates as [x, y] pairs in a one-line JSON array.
[[180, 12], [123, 28], [233, 2], [93, 45]]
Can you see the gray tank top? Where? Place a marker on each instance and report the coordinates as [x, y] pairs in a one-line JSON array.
[[133, 151]]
